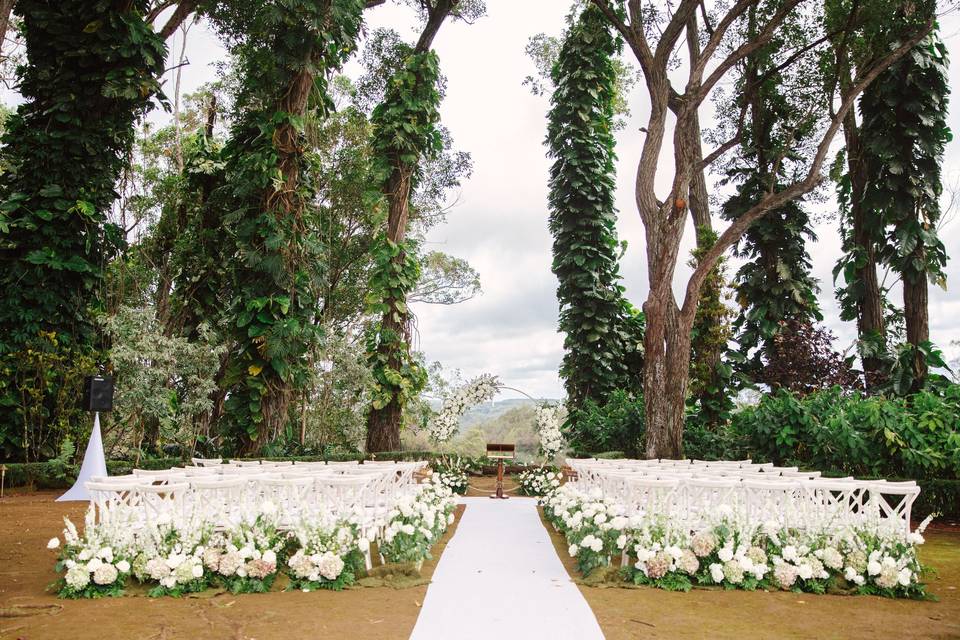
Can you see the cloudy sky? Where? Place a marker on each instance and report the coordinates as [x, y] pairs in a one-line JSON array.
[[500, 223]]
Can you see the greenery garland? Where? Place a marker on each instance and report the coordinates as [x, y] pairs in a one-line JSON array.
[[604, 333]]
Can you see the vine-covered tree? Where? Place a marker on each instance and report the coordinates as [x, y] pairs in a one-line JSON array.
[[903, 134], [405, 136], [710, 401], [285, 52], [92, 68], [669, 323], [603, 332], [774, 283]]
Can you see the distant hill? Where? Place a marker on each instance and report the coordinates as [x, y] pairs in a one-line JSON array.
[[511, 420], [491, 410]]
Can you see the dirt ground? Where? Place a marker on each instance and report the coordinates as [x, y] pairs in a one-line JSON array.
[[27, 521], [643, 612]]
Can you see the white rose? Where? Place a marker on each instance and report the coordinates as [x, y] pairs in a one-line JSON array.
[[716, 572], [873, 568], [197, 571], [573, 550], [725, 554], [123, 566], [54, 543], [270, 556]]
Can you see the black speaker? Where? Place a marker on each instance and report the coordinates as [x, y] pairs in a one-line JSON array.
[[98, 393]]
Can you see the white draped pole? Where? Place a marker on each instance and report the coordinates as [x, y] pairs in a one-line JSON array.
[[94, 464]]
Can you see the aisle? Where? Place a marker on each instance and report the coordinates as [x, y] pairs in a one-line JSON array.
[[500, 577]]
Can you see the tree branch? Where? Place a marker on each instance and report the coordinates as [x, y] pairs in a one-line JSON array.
[[741, 52], [737, 228], [438, 14], [183, 10], [632, 33]]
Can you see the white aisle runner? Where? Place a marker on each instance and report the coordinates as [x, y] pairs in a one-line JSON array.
[[500, 577]]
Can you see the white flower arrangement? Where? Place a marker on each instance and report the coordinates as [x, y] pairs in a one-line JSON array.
[[548, 431], [417, 522], [444, 424], [169, 554], [734, 554], [451, 472], [95, 564], [539, 481], [329, 554], [246, 557]]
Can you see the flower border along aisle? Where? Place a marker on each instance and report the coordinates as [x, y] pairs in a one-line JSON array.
[[174, 556], [730, 553]]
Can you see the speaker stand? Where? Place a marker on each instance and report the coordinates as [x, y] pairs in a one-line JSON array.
[[94, 464]]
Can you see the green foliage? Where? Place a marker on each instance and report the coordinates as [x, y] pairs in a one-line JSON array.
[[616, 425], [405, 133], [604, 333], [915, 437], [40, 384], [91, 71], [397, 375], [163, 383], [92, 68], [334, 411], [904, 132], [774, 283], [710, 377], [284, 52]]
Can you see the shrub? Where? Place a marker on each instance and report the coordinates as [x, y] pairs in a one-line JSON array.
[[617, 425], [916, 437]]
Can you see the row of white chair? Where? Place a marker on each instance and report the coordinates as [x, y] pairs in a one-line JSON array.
[[692, 490]]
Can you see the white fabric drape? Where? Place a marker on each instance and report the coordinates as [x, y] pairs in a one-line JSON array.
[[94, 464]]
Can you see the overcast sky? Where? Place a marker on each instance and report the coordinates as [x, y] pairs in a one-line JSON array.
[[500, 223]]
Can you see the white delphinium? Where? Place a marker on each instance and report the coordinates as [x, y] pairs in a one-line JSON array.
[[548, 431]]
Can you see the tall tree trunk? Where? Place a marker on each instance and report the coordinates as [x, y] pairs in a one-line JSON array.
[[870, 323], [286, 202], [666, 376], [383, 425], [917, 319], [6, 8]]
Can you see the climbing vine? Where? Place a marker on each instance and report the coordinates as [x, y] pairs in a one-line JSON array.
[[774, 283], [710, 377], [604, 333], [404, 133], [903, 134], [284, 51], [91, 70], [84, 85]]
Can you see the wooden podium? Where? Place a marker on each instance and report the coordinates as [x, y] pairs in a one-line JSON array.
[[500, 452]]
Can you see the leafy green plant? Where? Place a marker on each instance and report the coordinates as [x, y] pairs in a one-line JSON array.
[[616, 425], [603, 332]]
